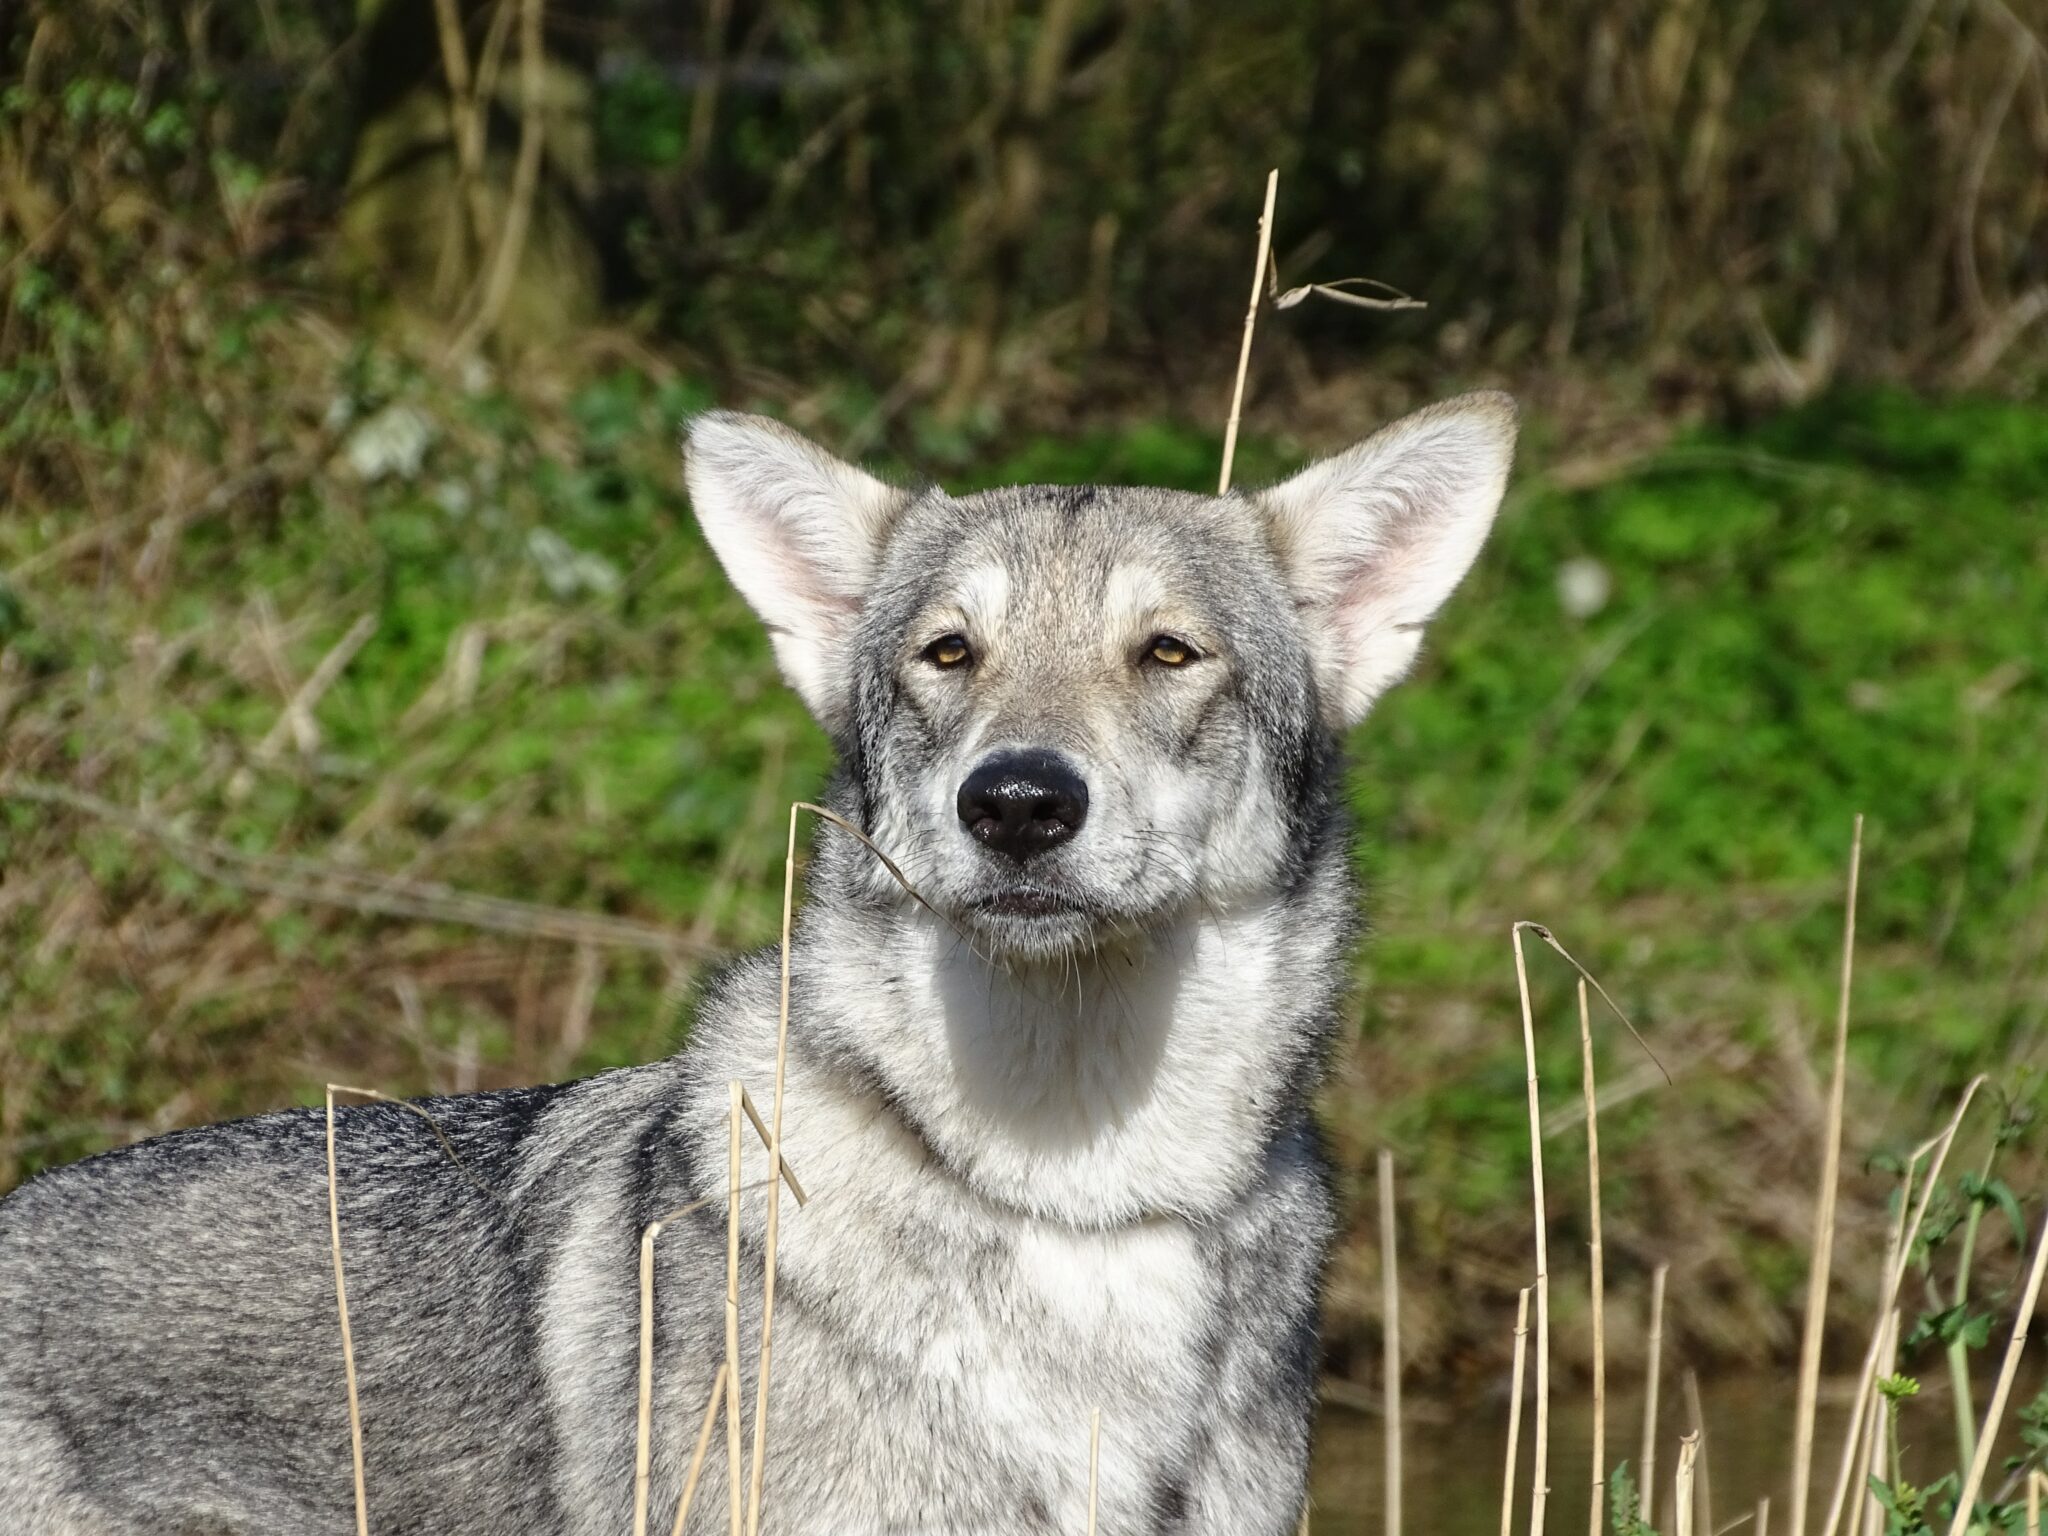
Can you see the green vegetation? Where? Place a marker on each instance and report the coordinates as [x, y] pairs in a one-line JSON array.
[[329, 594], [561, 700]]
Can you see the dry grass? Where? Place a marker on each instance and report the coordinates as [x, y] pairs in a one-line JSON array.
[[1652, 1387], [1598, 1267], [1390, 1361], [1507, 1486], [1995, 1414], [1540, 1494], [1824, 1215], [1251, 320]]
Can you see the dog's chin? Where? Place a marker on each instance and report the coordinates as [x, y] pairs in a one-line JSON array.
[[1034, 923]]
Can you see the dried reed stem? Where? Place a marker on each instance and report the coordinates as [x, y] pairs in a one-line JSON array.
[[1703, 1482], [1251, 320], [1507, 1483], [1390, 1336], [1900, 1245], [769, 1142], [719, 1384], [1539, 1490], [348, 1346], [1681, 1487], [1993, 1415], [1094, 1463], [1763, 1516], [2035, 1482], [643, 1450], [733, 1459], [1808, 1400], [774, 1193], [643, 1453], [1871, 1456], [1599, 1270], [1656, 1380]]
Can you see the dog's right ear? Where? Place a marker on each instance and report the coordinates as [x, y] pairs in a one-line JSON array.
[[799, 532]]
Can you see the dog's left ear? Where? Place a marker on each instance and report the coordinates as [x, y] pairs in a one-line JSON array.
[[1375, 539], [799, 532]]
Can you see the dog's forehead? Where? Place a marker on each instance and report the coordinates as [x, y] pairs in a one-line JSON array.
[[1024, 547]]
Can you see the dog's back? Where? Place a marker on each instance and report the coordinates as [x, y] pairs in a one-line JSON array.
[[169, 1338]]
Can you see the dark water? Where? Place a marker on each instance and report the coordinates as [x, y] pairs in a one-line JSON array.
[[1454, 1450]]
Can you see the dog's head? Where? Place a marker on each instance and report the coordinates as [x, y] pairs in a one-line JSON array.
[[1073, 713]]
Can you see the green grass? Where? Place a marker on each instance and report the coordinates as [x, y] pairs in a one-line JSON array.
[[1842, 609]]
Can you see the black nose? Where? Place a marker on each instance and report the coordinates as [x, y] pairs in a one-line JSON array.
[[1022, 803]]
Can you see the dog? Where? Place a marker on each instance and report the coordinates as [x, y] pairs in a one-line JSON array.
[[1048, 1092]]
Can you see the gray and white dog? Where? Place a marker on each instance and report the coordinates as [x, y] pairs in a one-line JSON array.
[[1053, 1118]]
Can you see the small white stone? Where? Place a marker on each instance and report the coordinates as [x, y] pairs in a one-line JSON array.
[[1583, 587], [392, 442]]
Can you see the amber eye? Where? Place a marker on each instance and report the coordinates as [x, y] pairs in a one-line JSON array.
[[948, 651], [1170, 651]]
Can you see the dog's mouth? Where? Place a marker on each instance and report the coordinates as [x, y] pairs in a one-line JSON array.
[[1030, 902]]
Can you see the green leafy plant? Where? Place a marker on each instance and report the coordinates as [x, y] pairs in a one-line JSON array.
[[1625, 1505]]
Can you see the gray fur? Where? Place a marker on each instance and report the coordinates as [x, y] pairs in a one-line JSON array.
[[1060, 1153]]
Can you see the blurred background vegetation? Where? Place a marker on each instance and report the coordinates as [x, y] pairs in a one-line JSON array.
[[370, 709]]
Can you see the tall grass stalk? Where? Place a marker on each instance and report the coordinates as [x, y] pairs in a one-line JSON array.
[[1251, 320], [1870, 1519], [733, 1460], [348, 1345], [774, 1192], [720, 1391], [1987, 1434], [1507, 1482], [1390, 1368], [1808, 1401], [1900, 1248], [1651, 1387], [1683, 1513], [1963, 1399], [1599, 1270], [1703, 1482], [643, 1447], [1539, 1490]]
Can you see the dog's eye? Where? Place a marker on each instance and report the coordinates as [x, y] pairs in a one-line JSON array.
[[1170, 651], [948, 651]]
